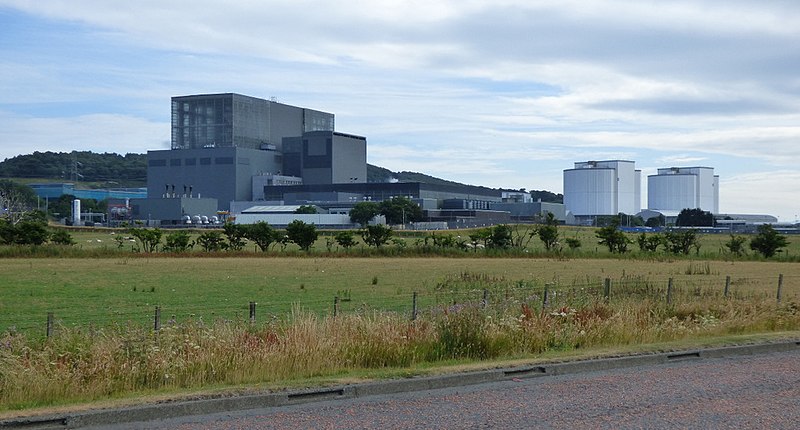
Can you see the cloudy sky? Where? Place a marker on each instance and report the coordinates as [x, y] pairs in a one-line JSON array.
[[502, 93]]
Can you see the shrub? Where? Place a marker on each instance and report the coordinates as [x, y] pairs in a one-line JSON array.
[[61, 237], [211, 241], [304, 235], [376, 235], [345, 239], [768, 241], [262, 235], [178, 241]]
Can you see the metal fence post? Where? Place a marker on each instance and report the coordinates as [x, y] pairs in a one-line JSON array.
[[157, 319]]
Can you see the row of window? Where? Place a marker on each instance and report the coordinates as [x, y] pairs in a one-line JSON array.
[[204, 161]]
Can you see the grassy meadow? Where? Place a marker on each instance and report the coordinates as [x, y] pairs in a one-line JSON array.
[[536, 305]]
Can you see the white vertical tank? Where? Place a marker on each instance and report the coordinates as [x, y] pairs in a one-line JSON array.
[[76, 212]]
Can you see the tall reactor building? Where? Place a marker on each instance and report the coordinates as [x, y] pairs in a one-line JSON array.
[[596, 188], [228, 146], [678, 188]]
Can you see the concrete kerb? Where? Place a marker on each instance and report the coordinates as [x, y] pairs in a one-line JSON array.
[[238, 403]]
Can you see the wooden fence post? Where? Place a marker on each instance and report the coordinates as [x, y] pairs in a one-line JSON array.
[[335, 306], [780, 286], [669, 291], [727, 285], [49, 324], [414, 306], [485, 298], [252, 312], [607, 289]]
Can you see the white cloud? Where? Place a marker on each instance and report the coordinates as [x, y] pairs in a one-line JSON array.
[[501, 93], [99, 133]]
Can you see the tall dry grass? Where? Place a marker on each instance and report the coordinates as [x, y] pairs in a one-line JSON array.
[[84, 364]]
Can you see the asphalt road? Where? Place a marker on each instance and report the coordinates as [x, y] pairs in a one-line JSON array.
[[750, 392]]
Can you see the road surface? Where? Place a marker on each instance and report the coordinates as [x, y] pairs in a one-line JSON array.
[[750, 392]]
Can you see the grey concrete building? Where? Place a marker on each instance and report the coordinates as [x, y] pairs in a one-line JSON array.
[[235, 120], [221, 141], [326, 157]]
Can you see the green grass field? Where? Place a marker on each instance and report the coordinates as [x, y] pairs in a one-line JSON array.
[[108, 291]]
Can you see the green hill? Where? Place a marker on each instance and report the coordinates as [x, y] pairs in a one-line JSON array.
[[109, 170]]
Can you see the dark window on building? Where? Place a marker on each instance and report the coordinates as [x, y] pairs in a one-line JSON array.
[[175, 162], [190, 161], [205, 161], [157, 163], [223, 160]]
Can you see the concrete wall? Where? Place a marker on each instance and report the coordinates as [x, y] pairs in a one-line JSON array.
[[221, 173]]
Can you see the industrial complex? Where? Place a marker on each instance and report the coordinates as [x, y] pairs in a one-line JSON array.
[[245, 159]]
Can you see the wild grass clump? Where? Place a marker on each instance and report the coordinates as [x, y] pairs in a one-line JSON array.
[[84, 364]]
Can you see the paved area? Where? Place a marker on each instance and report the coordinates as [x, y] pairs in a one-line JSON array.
[[743, 392]]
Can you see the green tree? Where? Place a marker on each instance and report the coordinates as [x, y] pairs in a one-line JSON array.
[[345, 239], [681, 241], [211, 241], [376, 235], [304, 235], [656, 221], [262, 234], [735, 245], [178, 241], [363, 212], [15, 199], [695, 218], [235, 233], [61, 237], [501, 237], [399, 210], [149, 238], [573, 243], [306, 209], [768, 241], [613, 238], [649, 243], [548, 233]]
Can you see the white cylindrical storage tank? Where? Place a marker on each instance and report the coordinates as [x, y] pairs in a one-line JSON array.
[[76, 212], [590, 191], [672, 192]]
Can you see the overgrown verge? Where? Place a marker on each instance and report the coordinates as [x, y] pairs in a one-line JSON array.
[[85, 364]]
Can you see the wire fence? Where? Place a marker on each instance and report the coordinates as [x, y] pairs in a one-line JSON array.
[[483, 291]]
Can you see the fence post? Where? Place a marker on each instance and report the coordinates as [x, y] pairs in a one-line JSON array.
[[485, 298], [49, 324], [607, 289], [727, 285], [157, 319], [252, 312], [780, 286], [414, 306], [545, 298], [669, 291], [335, 306]]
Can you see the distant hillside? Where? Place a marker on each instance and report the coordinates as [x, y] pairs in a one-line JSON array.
[[380, 174], [130, 170]]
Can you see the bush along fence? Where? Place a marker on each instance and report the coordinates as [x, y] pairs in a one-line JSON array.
[[480, 291]]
